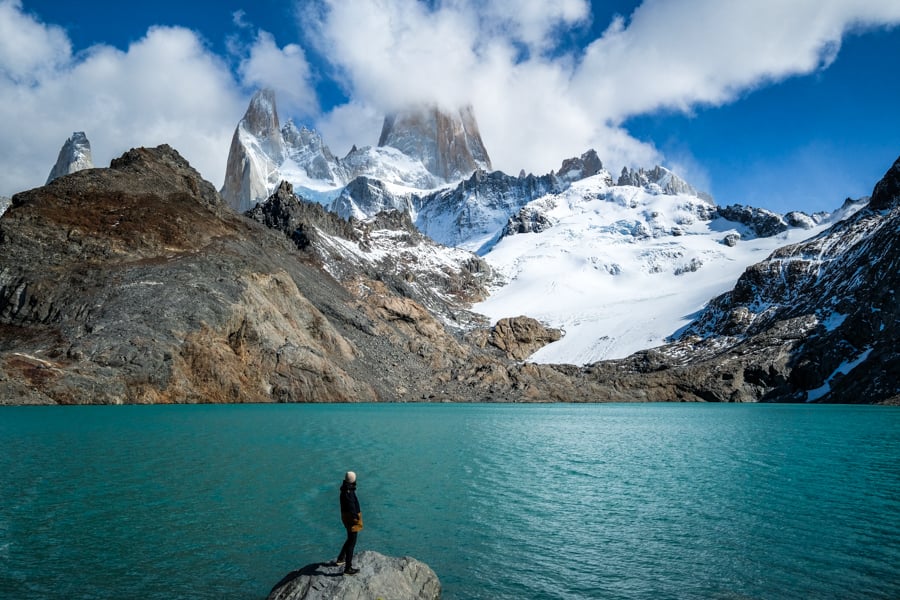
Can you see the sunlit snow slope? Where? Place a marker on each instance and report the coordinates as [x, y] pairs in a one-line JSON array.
[[621, 268]]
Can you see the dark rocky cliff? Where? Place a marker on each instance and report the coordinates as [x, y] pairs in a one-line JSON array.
[[137, 284]]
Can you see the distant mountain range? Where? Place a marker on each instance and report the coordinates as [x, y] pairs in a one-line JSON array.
[[410, 271]]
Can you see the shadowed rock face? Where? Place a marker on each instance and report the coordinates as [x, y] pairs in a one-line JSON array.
[[447, 142], [379, 577]]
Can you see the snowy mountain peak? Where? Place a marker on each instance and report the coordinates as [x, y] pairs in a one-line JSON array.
[[74, 155], [262, 154], [447, 142], [659, 180]]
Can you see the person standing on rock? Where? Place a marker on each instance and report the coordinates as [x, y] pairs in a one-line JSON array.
[[351, 516]]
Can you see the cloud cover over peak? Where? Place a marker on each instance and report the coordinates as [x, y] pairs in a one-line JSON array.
[[539, 98], [547, 79]]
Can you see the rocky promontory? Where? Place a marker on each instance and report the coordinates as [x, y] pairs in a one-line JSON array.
[[379, 576]]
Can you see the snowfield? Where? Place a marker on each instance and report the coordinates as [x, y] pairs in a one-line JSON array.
[[621, 269]]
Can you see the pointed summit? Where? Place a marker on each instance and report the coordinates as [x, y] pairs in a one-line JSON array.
[[448, 143], [261, 121], [257, 149], [74, 155]]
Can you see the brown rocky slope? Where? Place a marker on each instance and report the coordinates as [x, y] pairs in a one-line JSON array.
[[136, 284]]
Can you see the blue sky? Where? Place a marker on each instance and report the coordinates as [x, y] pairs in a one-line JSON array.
[[784, 105]]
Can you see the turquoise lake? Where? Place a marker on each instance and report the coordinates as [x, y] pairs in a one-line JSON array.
[[502, 501]]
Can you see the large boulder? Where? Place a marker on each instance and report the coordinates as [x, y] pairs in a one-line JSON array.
[[520, 337], [379, 576]]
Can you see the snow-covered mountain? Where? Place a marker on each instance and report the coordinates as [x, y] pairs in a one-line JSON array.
[[622, 268], [619, 264], [420, 149], [74, 155]]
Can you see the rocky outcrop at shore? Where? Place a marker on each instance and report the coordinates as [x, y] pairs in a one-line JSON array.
[[379, 576]]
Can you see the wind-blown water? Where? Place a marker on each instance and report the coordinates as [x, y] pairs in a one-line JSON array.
[[503, 501]]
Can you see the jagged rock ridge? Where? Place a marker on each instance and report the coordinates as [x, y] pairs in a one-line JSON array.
[[74, 155], [387, 248], [659, 179]]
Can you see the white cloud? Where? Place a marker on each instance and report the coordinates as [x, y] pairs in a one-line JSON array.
[[681, 54], [166, 88], [351, 124], [285, 70], [29, 50], [538, 107]]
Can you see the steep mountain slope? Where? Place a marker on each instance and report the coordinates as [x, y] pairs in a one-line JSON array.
[[837, 296], [816, 321], [74, 155], [386, 248]]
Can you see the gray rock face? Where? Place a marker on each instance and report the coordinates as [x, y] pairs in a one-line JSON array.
[[379, 576], [660, 179], [762, 222], [586, 165], [447, 142], [527, 220], [74, 155], [365, 197]]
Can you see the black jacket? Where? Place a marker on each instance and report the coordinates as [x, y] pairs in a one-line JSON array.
[[350, 513]]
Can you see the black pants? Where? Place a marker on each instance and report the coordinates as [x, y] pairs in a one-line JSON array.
[[347, 550]]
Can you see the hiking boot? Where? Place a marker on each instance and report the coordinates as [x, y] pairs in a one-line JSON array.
[[350, 571], [338, 563]]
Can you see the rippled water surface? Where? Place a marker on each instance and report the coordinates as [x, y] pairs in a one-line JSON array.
[[503, 501]]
